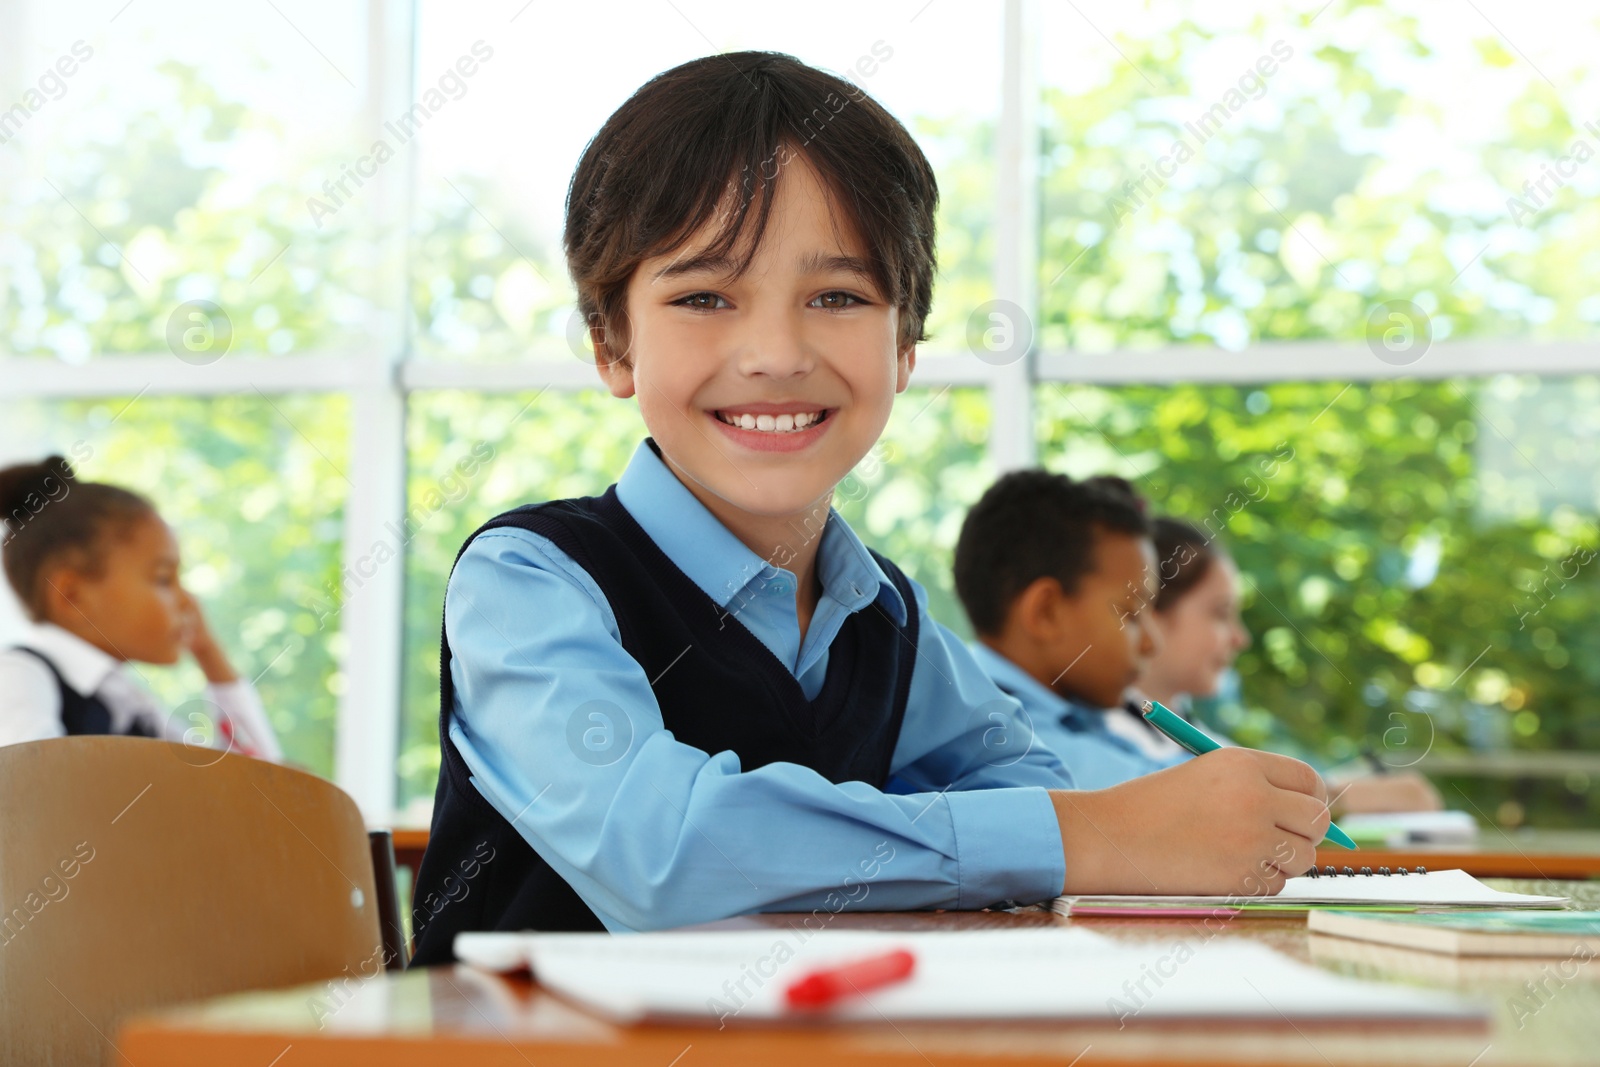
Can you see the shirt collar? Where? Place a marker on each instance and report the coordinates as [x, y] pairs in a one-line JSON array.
[[721, 565], [1028, 689], [83, 666]]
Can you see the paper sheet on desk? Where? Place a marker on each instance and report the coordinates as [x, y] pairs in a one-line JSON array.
[[1012, 974]]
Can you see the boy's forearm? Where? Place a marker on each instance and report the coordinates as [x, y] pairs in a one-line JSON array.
[[214, 662]]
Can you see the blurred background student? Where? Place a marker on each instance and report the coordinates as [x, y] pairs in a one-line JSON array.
[[96, 570], [1057, 577], [1198, 633]]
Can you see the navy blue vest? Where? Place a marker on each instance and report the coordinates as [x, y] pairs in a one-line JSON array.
[[81, 714], [718, 688]]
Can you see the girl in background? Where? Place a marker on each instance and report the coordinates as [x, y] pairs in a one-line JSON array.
[[1198, 636], [96, 569]]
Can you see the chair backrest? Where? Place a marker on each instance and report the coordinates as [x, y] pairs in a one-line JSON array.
[[137, 873]]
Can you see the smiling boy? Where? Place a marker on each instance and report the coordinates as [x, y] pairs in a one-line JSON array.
[[699, 694]]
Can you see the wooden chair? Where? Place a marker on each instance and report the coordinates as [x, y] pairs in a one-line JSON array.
[[137, 873]]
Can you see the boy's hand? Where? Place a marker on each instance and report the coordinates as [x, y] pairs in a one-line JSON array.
[[203, 646], [1234, 821]]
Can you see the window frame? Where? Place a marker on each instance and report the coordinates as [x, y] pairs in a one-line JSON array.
[[379, 379]]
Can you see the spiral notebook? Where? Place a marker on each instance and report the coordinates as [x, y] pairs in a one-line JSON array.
[[1401, 889]]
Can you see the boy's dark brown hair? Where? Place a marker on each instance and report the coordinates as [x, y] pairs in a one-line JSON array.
[[1034, 524], [713, 136]]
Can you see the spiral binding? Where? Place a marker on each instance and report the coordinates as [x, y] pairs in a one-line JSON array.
[[1350, 872]]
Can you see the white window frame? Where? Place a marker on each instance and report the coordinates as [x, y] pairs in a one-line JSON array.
[[379, 380]]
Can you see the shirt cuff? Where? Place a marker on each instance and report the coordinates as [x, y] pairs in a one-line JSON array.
[[241, 707], [1008, 846]]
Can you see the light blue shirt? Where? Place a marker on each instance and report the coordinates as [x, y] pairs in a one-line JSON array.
[[1075, 732], [653, 833]]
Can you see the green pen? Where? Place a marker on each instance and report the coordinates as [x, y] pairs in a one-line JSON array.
[[1199, 744]]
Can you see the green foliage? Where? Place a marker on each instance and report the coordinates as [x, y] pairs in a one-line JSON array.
[[1288, 219]]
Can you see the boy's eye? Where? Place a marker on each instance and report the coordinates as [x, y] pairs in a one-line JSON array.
[[700, 301], [836, 300]]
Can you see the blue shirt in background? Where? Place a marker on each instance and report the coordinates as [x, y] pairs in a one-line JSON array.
[[666, 834], [1075, 732]]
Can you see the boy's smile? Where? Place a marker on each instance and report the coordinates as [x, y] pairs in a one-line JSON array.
[[765, 389], [774, 427]]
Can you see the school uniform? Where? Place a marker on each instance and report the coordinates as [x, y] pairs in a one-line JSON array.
[[56, 684], [1094, 743], [635, 735]]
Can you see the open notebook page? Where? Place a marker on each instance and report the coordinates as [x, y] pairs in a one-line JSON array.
[[739, 976]]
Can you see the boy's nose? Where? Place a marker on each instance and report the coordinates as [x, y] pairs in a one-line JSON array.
[[775, 347]]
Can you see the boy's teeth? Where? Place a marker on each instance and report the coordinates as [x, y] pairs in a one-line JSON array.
[[785, 423]]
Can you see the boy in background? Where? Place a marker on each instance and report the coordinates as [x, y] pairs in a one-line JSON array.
[[1057, 577]]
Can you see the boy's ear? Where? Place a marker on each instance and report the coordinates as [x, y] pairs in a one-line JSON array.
[[1038, 607], [615, 370], [905, 363]]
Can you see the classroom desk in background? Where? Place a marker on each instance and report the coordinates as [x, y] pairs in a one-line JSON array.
[[410, 842], [1496, 854], [461, 1016], [1565, 854]]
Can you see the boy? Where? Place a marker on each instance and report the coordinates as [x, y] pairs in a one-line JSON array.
[[699, 695], [1056, 576]]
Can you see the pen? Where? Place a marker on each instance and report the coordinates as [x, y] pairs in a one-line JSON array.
[[1199, 744], [822, 988]]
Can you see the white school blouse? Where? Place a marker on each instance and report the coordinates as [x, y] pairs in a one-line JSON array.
[[30, 700]]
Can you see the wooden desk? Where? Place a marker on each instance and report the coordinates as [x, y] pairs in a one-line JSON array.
[[1573, 854], [459, 1016], [1496, 854]]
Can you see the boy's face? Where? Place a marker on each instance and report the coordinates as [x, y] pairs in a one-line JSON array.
[[1104, 639], [800, 350]]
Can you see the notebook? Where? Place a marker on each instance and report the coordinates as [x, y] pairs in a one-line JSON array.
[[728, 978], [1472, 933], [1388, 963], [1400, 889]]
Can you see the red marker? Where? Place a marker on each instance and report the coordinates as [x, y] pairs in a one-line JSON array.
[[822, 988]]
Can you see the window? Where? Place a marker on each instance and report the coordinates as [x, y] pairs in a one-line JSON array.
[[296, 272]]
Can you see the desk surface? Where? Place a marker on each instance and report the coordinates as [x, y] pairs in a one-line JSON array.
[[1496, 854], [458, 1015]]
